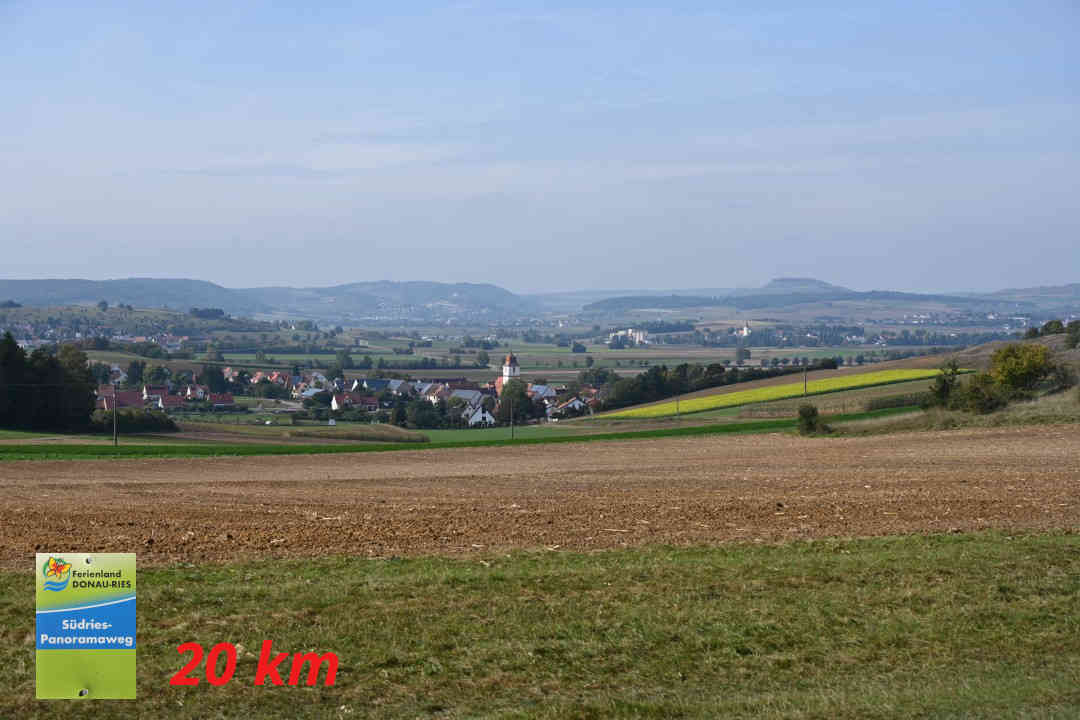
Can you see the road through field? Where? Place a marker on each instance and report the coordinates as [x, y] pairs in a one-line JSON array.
[[707, 489]]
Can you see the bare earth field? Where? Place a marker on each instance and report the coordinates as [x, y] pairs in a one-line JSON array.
[[701, 490]]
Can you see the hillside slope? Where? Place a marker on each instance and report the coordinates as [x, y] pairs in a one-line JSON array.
[[383, 298]]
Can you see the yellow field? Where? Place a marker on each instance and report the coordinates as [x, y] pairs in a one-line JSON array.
[[774, 392]]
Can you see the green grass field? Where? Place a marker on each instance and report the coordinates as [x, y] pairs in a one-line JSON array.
[[465, 439], [773, 392], [956, 626]]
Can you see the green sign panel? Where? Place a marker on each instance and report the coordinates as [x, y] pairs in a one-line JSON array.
[[85, 626]]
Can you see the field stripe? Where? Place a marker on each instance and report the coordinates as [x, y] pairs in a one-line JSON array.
[[96, 452], [774, 392]]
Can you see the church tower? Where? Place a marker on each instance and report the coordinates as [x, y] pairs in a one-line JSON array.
[[510, 367], [511, 371]]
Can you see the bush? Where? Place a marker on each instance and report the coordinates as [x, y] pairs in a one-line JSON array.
[[809, 420], [1019, 368], [1072, 339], [132, 421], [1054, 327], [981, 395], [1062, 377], [944, 384]]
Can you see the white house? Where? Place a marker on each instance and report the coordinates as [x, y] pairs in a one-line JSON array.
[[573, 405], [481, 417]]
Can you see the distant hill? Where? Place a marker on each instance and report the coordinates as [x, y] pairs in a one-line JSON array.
[[785, 292], [391, 300], [1049, 297], [141, 292], [794, 286], [575, 300], [419, 299]]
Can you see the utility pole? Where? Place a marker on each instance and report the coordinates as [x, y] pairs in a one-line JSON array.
[[115, 440]]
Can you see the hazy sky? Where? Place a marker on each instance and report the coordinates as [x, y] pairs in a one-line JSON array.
[[543, 146]]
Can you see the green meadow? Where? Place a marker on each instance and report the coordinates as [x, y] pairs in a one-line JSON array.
[[955, 626]]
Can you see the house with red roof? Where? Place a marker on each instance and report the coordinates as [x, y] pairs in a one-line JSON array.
[[346, 400], [169, 403]]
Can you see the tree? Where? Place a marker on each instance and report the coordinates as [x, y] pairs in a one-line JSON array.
[[422, 414], [1054, 327], [1019, 368], [135, 370], [213, 378], [102, 306], [578, 348], [44, 391], [942, 388], [589, 361], [482, 358], [156, 374], [514, 400], [597, 376], [397, 415], [1072, 340], [344, 359], [809, 421], [981, 395], [101, 373], [12, 376]]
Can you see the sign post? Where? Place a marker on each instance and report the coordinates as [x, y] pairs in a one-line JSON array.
[[85, 626]]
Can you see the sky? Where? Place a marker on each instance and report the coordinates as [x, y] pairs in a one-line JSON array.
[[547, 146]]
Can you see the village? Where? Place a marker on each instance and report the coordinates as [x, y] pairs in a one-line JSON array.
[[458, 402]]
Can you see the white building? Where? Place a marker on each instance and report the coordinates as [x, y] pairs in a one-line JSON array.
[[482, 417], [637, 337]]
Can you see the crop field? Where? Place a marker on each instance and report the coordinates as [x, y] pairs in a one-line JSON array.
[[216, 442], [773, 392], [585, 496]]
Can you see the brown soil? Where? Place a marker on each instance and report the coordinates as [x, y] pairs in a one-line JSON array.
[[768, 488]]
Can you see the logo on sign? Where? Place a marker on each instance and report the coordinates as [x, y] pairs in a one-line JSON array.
[[57, 573]]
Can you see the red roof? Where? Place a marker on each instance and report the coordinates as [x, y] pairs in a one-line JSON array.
[[222, 399], [351, 398], [125, 398]]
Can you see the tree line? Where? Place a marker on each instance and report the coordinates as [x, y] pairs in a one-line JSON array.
[[44, 391], [660, 382]]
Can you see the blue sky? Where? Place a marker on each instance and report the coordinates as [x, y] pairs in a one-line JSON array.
[[544, 146]]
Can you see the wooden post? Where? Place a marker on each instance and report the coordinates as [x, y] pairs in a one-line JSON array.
[[115, 439]]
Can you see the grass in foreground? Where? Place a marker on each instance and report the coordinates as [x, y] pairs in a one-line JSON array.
[[92, 452], [774, 392], [956, 626]]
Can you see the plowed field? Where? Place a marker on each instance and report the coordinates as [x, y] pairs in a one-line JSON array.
[[766, 488]]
